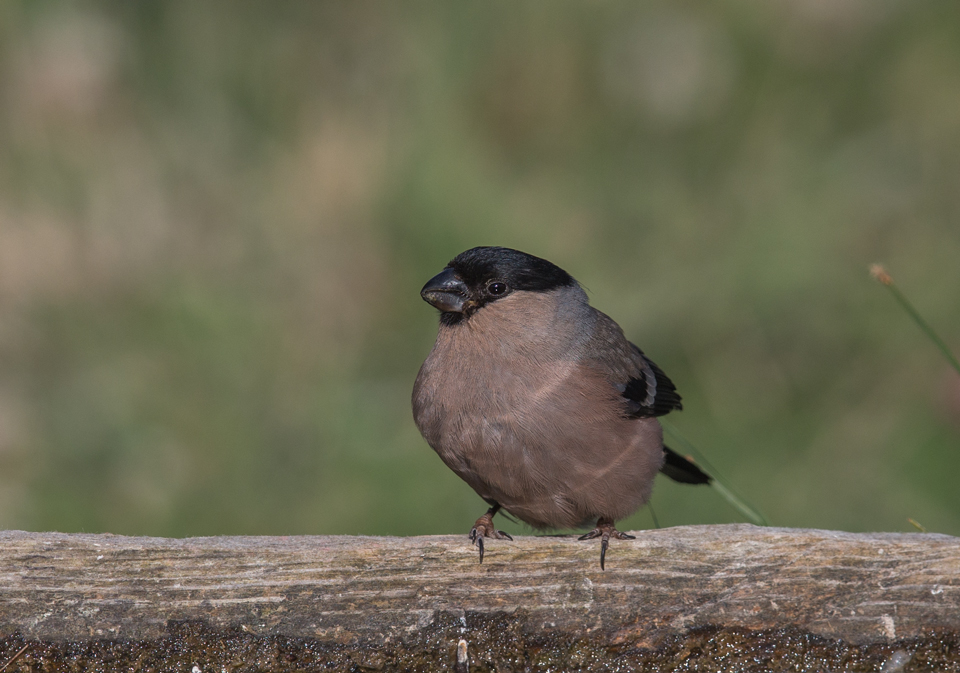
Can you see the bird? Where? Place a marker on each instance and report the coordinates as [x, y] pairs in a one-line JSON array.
[[538, 401]]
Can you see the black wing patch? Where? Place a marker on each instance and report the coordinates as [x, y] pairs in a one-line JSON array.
[[652, 393]]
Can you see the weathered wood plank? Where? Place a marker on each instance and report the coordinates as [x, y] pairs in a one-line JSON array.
[[863, 588]]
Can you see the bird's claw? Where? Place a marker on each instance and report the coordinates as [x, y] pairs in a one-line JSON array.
[[484, 528], [604, 531]]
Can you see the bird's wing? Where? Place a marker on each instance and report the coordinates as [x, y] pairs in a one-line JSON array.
[[645, 389], [651, 393], [642, 384]]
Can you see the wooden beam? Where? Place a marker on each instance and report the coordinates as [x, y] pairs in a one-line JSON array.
[[859, 587], [373, 591]]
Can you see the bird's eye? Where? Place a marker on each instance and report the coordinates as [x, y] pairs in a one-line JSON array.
[[496, 288]]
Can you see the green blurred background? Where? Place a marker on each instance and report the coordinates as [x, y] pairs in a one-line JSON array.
[[215, 219]]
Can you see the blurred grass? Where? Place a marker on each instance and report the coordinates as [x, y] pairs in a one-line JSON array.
[[215, 219]]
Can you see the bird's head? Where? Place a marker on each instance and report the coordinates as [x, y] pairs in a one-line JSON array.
[[487, 274]]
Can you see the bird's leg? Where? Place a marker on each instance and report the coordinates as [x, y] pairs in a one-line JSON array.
[[484, 528], [605, 531]]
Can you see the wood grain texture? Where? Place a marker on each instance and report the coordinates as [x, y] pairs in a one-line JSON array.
[[863, 588]]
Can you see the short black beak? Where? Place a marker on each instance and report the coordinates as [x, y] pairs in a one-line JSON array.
[[446, 292]]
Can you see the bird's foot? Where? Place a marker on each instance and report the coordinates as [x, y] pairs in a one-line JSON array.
[[605, 531], [484, 528]]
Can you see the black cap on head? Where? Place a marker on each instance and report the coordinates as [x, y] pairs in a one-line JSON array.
[[518, 270], [481, 275]]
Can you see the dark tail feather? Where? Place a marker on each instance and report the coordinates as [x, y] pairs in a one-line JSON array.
[[680, 469]]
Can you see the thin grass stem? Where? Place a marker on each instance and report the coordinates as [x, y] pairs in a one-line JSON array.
[[719, 483], [878, 272]]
